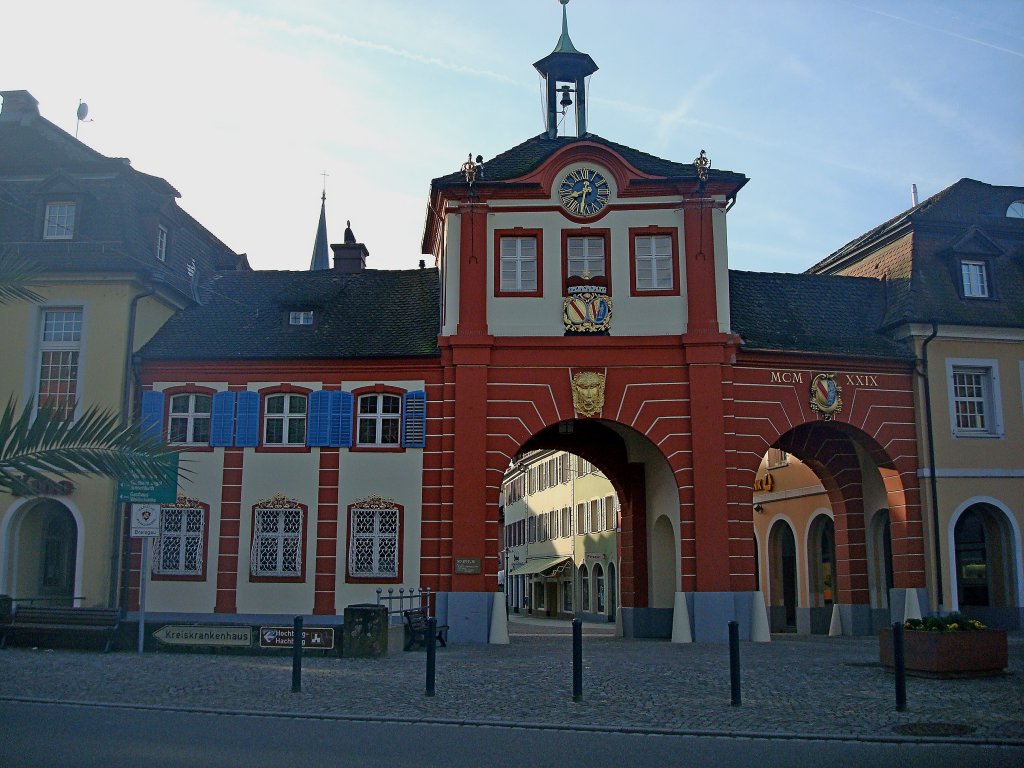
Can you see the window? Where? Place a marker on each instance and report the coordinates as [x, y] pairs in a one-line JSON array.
[[566, 521], [284, 420], [302, 317], [556, 519], [585, 257], [596, 515], [161, 243], [582, 525], [975, 279], [599, 587], [611, 519], [60, 346], [380, 416], [974, 398], [584, 589], [531, 531], [777, 458], [189, 422], [1015, 210], [374, 541], [180, 549], [277, 539], [59, 223], [519, 262]]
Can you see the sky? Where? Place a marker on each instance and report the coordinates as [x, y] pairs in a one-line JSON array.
[[832, 108]]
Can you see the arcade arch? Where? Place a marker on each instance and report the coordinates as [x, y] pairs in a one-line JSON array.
[[42, 546], [985, 569]]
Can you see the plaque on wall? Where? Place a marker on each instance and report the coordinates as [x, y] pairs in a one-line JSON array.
[[467, 565]]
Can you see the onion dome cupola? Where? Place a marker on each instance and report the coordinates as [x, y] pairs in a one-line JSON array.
[[565, 71]]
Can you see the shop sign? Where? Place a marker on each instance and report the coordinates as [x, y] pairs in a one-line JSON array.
[[284, 637], [594, 556], [766, 483], [47, 487]]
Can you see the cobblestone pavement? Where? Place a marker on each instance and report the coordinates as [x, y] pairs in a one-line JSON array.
[[798, 686]]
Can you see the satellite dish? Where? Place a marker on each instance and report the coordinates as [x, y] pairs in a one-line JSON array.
[[83, 110]]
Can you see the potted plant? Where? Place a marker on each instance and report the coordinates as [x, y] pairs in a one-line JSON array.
[[947, 646]]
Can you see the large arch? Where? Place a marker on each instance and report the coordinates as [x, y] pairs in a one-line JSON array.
[[24, 551]]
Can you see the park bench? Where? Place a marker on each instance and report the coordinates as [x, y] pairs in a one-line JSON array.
[[416, 629], [70, 622]]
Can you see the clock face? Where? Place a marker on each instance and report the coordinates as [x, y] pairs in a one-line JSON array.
[[584, 192]]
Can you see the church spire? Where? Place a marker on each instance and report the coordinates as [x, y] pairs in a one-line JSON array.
[[566, 66], [321, 259]]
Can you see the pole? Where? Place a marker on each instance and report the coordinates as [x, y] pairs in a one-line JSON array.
[[734, 661], [142, 592], [899, 666], [431, 653], [577, 660], [297, 655]]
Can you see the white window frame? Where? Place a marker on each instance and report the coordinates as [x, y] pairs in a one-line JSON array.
[[182, 536], [161, 242], [190, 416], [653, 254], [59, 220], [67, 402], [584, 251], [992, 411], [378, 418], [518, 258], [376, 536], [301, 317], [278, 538], [974, 279], [286, 416]]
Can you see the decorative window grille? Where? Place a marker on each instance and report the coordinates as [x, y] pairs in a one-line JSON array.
[[586, 256], [518, 264], [975, 279], [189, 422], [58, 365], [60, 221], [284, 420], [178, 550], [277, 539], [653, 262], [380, 419], [373, 548]]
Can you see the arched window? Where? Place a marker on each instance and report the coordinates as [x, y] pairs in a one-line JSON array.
[[971, 560], [584, 589], [599, 587]]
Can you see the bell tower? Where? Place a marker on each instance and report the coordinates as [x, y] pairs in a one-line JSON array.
[[565, 71]]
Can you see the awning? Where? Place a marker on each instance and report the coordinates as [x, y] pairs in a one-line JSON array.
[[538, 565]]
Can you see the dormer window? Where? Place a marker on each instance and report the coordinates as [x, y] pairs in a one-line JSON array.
[[975, 279], [1016, 210], [59, 223], [161, 243], [301, 317]]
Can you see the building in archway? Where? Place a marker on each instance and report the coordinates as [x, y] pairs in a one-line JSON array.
[[580, 300]]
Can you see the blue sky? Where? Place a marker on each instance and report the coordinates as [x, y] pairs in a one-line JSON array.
[[833, 109]]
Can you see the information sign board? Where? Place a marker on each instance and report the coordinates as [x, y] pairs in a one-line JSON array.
[[283, 637], [140, 490], [145, 521], [204, 634]]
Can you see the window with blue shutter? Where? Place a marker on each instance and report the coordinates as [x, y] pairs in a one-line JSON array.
[[318, 418], [153, 414], [247, 423], [344, 422], [415, 419], [222, 420]]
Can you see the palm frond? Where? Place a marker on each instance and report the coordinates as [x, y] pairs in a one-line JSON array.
[[39, 445], [17, 273]]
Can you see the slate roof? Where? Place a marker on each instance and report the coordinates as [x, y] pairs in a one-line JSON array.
[[822, 314], [529, 155], [368, 314]]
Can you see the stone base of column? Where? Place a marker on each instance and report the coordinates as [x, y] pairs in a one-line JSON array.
[[709, 614], [898, 603]]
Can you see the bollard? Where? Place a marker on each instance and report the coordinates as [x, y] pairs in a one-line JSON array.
[[431, 654], [899, 666], [577, 660], [297, 655], [734, 661]]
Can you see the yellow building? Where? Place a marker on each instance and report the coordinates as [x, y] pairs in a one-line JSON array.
[[119, 258]]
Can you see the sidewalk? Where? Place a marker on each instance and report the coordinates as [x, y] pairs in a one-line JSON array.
[[793, 686]]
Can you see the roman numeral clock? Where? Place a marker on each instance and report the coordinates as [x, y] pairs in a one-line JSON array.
[[584, 192]]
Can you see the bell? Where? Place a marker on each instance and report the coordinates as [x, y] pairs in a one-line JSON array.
[[566, 101]]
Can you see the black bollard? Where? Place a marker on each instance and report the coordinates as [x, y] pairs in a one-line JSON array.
[[577, 660], [297, 655], [899, 666], [431, 653], [734, 661]]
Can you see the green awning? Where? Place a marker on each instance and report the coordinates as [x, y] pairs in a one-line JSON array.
[[539, 565]]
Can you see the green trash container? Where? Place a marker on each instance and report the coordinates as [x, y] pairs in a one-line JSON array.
[[365, 632]]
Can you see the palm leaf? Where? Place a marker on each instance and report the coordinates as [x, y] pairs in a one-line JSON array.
[[17, 273], [39, 445]]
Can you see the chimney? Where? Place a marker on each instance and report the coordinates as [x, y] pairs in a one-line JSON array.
[[19, 107], [350, 256]]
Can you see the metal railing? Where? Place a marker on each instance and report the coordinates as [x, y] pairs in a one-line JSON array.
[[406, 599]]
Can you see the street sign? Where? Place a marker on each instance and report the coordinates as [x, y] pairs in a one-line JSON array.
[[204, 634], [140, 490], [145, 521], [283, 637]]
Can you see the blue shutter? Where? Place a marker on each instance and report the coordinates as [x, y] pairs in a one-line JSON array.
[[345, 406], [153, 414], [318, 418], [247, 423], [334, 420], [222, 419], [415, 419]]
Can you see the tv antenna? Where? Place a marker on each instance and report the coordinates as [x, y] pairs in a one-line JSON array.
[[83, 112]]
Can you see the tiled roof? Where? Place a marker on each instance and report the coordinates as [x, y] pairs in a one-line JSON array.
[[368, 314], [524, 158], [810, 313]]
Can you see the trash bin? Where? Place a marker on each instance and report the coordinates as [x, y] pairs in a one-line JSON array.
[[6, 608], [365, 633]]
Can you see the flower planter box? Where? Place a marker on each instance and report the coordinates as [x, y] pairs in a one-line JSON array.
[[948, 654]]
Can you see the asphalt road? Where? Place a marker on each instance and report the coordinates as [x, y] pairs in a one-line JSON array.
[[35, 735]]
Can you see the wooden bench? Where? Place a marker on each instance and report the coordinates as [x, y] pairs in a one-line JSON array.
[[416, 628], [34, 621]]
